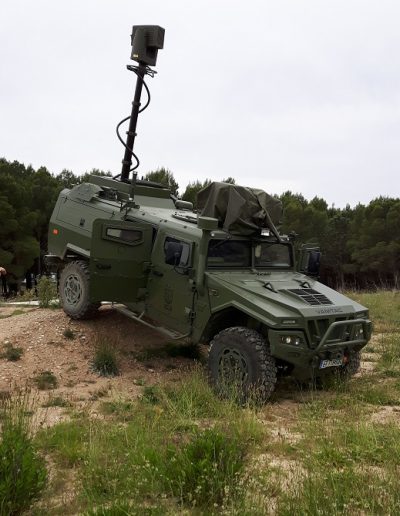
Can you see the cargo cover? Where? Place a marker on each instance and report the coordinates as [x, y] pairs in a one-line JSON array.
[[239, 209]]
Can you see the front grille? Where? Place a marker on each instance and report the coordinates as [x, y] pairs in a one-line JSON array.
[[311, 296], [318, 327]]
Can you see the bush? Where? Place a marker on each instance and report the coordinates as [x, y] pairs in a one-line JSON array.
[[47, 291], [56, 401], [105, 359], [22, 471], [10, 353], [46, 380], [69, 334], [201, 471]]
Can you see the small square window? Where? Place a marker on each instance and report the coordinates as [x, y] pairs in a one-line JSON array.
[[126, 235]]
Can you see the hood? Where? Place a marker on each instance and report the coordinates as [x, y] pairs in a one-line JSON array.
[[280, 294]]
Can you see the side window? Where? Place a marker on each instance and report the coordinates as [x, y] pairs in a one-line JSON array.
[[176, 252], [128, 236]]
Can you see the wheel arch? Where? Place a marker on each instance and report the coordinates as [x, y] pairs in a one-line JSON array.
[[228, 317]]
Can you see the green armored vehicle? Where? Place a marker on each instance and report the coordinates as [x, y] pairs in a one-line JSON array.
[[222, 275]]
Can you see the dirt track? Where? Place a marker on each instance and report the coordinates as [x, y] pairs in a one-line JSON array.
[[39, 333]]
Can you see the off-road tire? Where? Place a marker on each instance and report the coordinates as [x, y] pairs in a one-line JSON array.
[[74, 291], [340, 374], [352, 366], [246, 355]]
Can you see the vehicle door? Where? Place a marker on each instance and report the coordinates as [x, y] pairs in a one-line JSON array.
[[170, 290], [119, 260]]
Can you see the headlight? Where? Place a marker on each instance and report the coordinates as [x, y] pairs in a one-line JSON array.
[[359, 332], [294, 340]]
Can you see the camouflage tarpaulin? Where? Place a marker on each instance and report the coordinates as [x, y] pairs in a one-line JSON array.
[[239, 209]]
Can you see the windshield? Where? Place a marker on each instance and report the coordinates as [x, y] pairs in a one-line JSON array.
[[267, 254], [238, 253]]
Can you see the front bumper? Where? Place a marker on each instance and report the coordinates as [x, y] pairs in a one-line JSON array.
[[340, 337]]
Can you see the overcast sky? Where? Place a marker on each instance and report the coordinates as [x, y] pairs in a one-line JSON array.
[[300, 95]]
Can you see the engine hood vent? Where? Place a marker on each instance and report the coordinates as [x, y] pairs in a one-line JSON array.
[[310, 296]]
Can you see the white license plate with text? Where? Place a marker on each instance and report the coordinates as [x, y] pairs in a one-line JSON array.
[[335, 362]]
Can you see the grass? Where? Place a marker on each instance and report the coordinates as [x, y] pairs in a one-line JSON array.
[[68, 334], [47, 291], [179, 449], [46, 380], [22, 470], [18, 311], [56, 401], [186, 448], [11, 353], [384, 307], [105, 360]]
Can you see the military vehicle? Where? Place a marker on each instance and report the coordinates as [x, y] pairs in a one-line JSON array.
[[222, 275]]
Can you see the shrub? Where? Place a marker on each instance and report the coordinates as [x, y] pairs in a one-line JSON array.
[[11, 353], [68, 334], [56, 401], [22, 470], [202, 470], [47, 291], [46, 380], [105, 359]]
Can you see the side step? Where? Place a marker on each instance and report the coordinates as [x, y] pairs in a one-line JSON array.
[[122, 309]]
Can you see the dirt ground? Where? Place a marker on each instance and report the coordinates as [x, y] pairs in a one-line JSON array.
[[40, 334]]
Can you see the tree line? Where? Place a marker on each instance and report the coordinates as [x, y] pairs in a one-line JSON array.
[[360, 246]]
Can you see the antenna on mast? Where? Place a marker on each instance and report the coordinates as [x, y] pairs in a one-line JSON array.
[[146, 40]]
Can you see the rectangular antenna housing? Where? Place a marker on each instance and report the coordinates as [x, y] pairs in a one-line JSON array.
[[146, 40]]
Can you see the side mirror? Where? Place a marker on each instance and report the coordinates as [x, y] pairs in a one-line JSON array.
[[309, 261]]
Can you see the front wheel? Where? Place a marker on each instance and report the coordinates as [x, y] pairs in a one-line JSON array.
[[241, 366], [340, 374], [351, 366], [74, 291]]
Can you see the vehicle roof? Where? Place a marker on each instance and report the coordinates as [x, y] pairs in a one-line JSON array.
[[172, 220]]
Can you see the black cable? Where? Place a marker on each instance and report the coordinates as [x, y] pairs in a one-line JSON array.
[[151, 73]]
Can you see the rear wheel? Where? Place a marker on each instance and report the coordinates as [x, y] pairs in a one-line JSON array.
[[241, 366], [74, 291]]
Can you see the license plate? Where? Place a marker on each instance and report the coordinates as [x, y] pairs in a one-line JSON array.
[[335, 362]]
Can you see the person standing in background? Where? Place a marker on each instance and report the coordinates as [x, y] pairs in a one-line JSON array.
[[3, 274]]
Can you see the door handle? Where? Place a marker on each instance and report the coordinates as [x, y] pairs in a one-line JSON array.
[[103, 266], [158, 273]]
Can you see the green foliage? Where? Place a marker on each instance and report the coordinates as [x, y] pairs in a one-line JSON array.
[[105, 360], [384, 307], [192, 189], [56, 401], [68, 334], [46, 380], [204, 469], [47, 291], [85, 178], [346, 491], [22, 470], [360, 246], [165, 177], [159, 460], [18, 311], [11, 353]]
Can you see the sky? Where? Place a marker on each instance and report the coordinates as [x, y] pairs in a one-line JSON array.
[[300, 95]]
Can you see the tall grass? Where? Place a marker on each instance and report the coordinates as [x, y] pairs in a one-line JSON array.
[[22, 470], [187, 448], [179, 449]]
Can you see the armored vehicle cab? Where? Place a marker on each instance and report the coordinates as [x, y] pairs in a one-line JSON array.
[[223, 276]]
